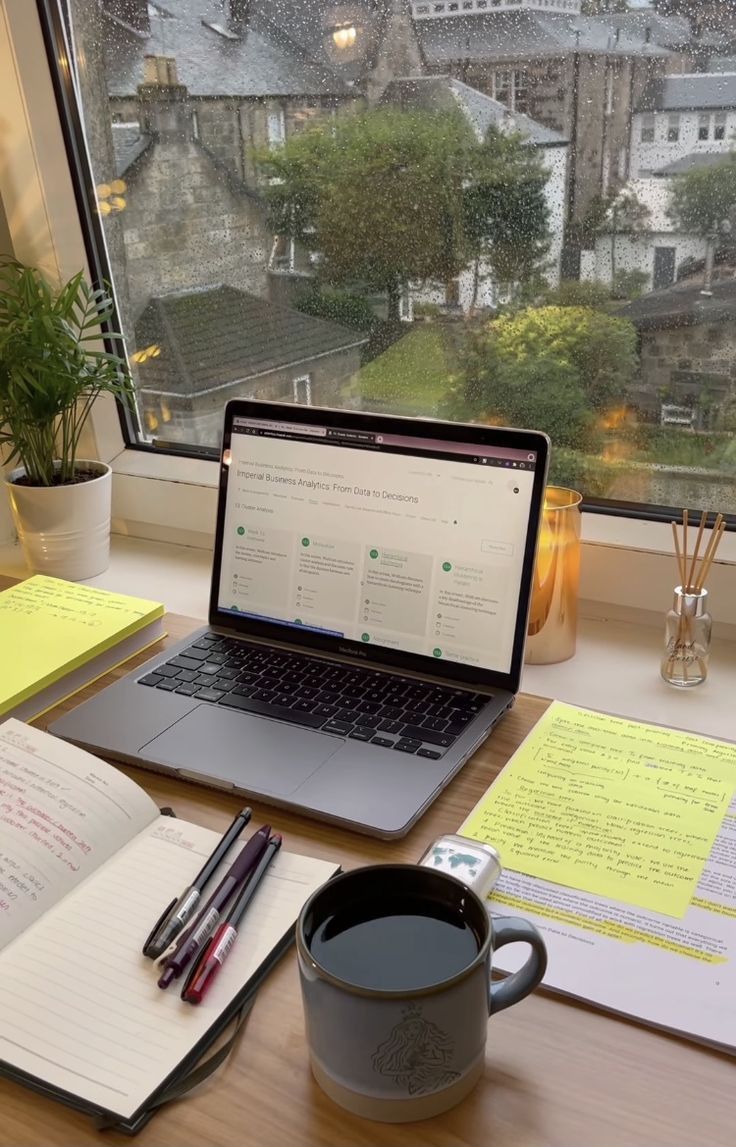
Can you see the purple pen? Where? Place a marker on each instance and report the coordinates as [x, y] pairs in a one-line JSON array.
[[197, 935]]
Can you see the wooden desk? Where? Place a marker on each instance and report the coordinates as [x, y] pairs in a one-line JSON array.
[[558, 1074]]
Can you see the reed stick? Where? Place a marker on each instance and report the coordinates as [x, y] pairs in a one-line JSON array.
[[696, 551], [680, 563], [710, 554]]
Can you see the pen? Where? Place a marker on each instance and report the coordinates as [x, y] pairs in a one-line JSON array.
[[200, 931], [180, 911], [216, 952]]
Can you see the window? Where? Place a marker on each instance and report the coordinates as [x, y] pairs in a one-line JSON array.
[[276, 127], [511, 88], [302, 389], [242, 244], [282, 254], [703, 127]]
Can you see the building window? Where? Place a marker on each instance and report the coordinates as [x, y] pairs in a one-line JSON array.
[[276, 127], [302, 389], [195, 125], [282, 254], [673, 129], [646, 129], [511, 88], [703, 127], [719, 126]]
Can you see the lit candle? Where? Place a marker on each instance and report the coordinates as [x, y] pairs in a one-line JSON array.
[[553, 615]]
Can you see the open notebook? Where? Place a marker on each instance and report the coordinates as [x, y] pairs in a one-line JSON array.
[[87, 863]]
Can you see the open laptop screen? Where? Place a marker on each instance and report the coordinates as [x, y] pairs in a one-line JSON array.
[[391, 540]]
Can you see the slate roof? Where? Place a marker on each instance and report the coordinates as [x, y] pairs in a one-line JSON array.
[[528, 34], [129, 143], [219, 336], [693, 161], [682, 305], [263, 61], [689, 92], [437, 93]]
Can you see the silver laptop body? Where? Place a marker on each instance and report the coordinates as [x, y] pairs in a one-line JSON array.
[[369, 600]]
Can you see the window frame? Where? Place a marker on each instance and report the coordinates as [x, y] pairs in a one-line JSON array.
[[171, 496]]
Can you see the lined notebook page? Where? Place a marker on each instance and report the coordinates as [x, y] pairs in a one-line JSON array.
[[63, 813], [79, 1004]]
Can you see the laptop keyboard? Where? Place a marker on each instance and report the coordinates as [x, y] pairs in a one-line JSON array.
[[381, 709]]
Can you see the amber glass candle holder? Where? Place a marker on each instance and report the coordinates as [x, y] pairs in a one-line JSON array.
[[553, 617]]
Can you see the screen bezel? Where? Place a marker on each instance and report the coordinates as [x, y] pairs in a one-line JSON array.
[[381, 656]]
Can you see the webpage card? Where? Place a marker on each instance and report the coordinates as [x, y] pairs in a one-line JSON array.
[[621, 809], [63, 813]]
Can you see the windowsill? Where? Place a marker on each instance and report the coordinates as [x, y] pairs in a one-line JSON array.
[[616, 667]]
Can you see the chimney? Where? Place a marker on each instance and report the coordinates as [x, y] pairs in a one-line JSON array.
[[239, 11], [163, 101], [134, 13]]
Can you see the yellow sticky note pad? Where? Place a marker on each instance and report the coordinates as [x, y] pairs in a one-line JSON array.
[[49, 627], [614, 807]]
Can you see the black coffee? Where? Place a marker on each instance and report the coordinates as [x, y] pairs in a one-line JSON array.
[[402, 944]]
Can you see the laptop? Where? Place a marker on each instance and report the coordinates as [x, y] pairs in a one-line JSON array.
[[370, 591]]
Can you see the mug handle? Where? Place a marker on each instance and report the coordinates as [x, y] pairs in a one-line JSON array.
[[503, 993]]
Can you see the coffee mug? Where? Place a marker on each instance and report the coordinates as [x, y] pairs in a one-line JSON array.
[[395, 970]]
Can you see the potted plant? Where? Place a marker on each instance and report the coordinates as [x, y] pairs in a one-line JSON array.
[[52, 368]]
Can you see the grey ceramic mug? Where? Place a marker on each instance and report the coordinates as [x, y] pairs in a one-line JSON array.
[[399, 1054]]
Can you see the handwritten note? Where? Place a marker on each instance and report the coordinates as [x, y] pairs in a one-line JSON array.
[[618, 808], [49, 627], [62, 814]]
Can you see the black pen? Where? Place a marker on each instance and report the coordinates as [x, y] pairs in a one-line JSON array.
[[180, 911], [216, 952], [191, 942]]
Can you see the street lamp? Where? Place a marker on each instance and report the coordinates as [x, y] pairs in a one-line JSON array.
[[344, 37], [725, 227]]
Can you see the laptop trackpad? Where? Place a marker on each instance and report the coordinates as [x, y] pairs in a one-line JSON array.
[[248, 751]]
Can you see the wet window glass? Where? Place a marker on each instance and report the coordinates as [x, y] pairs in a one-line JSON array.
[[516, 212]]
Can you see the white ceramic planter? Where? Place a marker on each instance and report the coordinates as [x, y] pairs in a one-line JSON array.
[[65, 530]]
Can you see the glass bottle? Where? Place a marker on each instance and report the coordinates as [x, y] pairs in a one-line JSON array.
[[687, 639]]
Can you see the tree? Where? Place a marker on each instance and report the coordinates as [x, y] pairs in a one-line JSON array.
[[703, 199], [505, 213], [389, 197], [626, 215], [557, 368]]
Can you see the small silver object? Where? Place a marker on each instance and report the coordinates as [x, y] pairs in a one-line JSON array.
[[477, 865]]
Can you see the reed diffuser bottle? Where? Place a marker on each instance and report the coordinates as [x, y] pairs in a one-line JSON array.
[[688, 624], [687, 639]]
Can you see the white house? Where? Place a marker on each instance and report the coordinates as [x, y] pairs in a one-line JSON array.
[[682, 115], [658, 250], [473, 288]]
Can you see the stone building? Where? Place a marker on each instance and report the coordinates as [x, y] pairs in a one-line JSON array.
[[204, 347], [188, 218], [579, 75], [688, 354]]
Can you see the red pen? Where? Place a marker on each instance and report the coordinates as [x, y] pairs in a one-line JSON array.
[[194, 939], [218, 949]]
